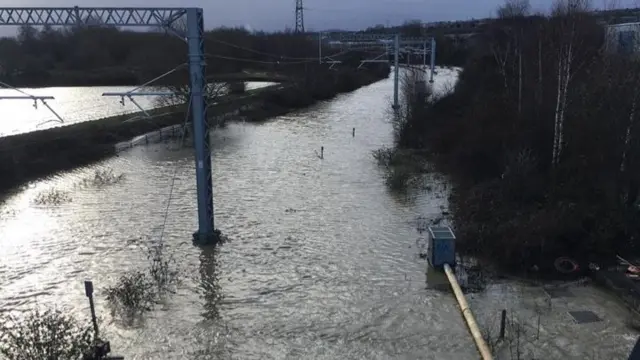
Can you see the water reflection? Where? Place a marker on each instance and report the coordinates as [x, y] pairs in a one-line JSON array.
[[73, 104], [209, 282], [436, 279], [323, 264]]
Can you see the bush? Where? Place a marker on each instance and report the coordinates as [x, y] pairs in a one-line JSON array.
[[52, 197], [102, 177], [46, 335], [545, 165], [137, 291], [134, 293], [402, 169]]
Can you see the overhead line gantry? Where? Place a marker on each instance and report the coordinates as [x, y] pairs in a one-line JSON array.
[[191, 30]]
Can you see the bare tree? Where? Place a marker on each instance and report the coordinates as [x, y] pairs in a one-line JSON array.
[[513, 47], [501, 52], [568, 14], [631, 76], [514, 8], [180, 94]]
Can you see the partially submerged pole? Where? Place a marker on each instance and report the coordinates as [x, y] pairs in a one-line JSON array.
[[88, 291], [396, 72], [433, 58], [100, 348], [320, 48], [468, 315], [424, 56], [206, 234]]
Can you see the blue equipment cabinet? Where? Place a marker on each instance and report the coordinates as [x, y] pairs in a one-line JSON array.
[[442, 246]]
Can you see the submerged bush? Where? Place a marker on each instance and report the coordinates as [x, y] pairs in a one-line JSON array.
[[102, 177], [133, 293], [162, 268], [402, 169], [44, 335], [52, 197], [138, 291]]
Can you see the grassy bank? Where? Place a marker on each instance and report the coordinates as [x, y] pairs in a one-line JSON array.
[[29, 156], [543, 153]]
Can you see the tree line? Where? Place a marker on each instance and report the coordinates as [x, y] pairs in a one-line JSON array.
[[452, 50], [106, 55], [101, 55], [541, 135]]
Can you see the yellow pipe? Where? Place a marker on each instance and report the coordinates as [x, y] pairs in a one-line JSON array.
[[468, 316]]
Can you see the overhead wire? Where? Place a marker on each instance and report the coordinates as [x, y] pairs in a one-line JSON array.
[[260, 61], [14, 88], [184, 127], [171, 187], [35, 104], [270, 54], [186, 120], [175, 171], [260, 52], [309, 60], [148, 83]]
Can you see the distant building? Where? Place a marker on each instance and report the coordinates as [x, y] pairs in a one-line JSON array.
[[623, 38]]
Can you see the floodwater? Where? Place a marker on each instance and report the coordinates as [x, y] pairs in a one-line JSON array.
[[72, 104], [322, 263]]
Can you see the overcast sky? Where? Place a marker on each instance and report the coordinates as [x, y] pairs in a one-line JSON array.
[[319, 14]]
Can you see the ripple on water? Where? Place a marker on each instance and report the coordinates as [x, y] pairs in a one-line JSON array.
[[321, 262]]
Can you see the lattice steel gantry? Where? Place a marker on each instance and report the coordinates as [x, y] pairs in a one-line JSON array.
[[406, 45], [299, 17], [164, 18]]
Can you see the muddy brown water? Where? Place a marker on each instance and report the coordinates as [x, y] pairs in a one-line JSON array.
[[322, 263]]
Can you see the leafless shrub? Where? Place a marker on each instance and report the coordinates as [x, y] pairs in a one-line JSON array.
[[52, 197], [137, 291], [102, 177], [49, 334]]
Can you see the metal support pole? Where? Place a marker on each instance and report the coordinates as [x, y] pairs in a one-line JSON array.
[[52, 111], [503, 324], [433, 58], [138, 106], [320, 48], [43, 100], [424, 56], [206, 233], [26, 97], [88, 291], [396, 74]]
